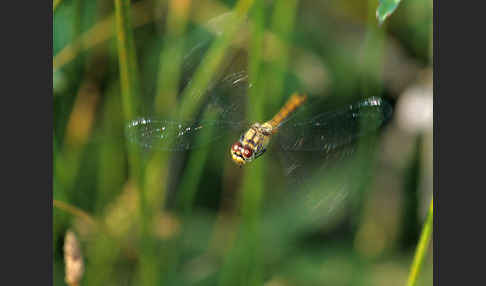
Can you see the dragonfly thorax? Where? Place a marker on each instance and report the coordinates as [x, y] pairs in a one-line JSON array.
[[251, 144]]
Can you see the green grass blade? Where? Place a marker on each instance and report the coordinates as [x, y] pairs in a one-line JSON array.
[[127, 58], [171, 56], [245, 257], [129, 92], [422, 247], [373, 57], [282, 25], [192, 176], [254, 176], [128, 76], [165, 101]]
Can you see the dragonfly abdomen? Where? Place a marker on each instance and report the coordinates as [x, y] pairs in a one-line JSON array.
[[290, 106]]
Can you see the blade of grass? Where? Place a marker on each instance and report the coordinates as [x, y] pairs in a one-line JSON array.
[[171, 56], [373, 51], [78, 130], [148, 263], [75, 211], [202, 78], [192, 176], [129, 84], [282, 25], [371, 84], [191, 102], [422, 246], [127, 58], [166, 95], [253, 180], [190, 105], [128, 79], [245, 258]]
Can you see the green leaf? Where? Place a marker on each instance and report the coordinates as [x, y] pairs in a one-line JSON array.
[[385, 9]]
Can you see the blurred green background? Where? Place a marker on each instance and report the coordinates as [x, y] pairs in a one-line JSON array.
[[194, 218]]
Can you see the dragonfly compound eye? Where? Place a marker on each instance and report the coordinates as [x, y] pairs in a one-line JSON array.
[[236, 146], [247, 152]]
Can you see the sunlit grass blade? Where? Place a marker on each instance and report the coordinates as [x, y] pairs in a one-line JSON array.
[[422, 246]]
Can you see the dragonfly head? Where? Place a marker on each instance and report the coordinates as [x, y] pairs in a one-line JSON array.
[[240, 154]]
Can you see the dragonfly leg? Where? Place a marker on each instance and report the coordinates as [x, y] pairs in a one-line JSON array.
[[260, 153]]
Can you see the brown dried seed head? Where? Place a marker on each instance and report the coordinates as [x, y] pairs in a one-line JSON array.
[[73, 259]]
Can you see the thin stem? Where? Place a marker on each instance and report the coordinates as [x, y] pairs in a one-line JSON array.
[[126, 57], [74, 211], [421, 250]]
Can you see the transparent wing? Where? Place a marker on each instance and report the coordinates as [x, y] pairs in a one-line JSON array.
[[175, 135], [323, 142], [330, 130], [325, 164]]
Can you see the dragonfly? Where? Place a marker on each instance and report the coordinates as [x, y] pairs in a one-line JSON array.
[[324, 132], [305, 123], [309, 143], [253, 143]]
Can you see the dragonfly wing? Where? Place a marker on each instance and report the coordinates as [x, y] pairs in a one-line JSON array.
[[228, 97], [331, 130], [175, 135], [327, 141]]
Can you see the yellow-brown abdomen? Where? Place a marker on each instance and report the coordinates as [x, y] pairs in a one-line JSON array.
[[291, 105]]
